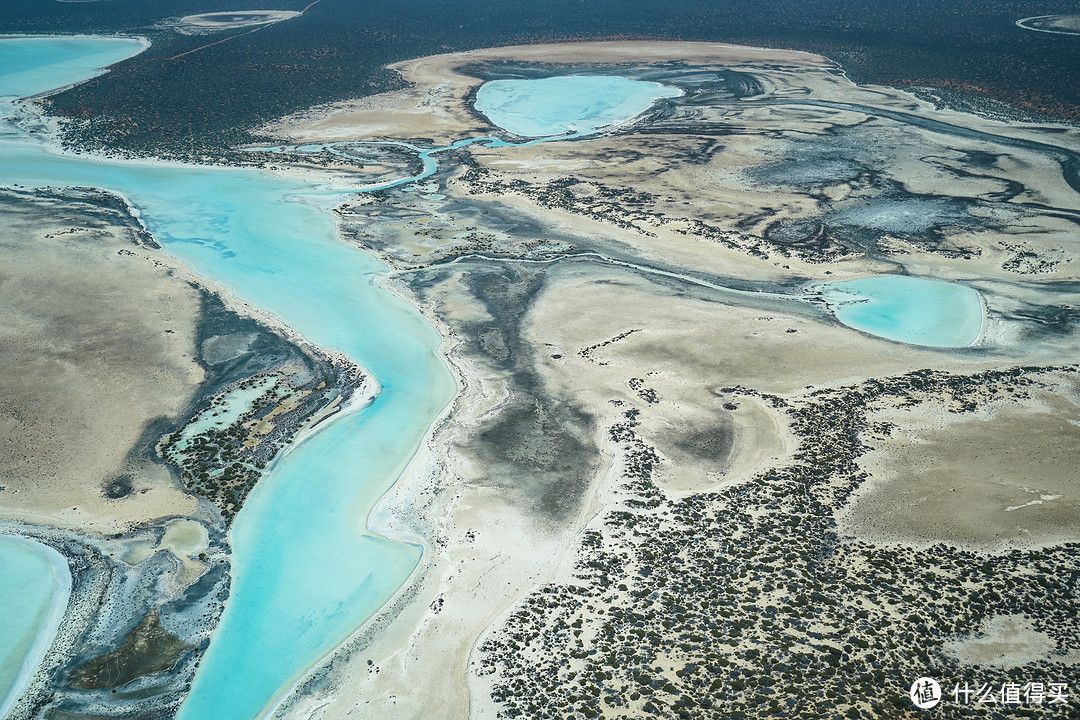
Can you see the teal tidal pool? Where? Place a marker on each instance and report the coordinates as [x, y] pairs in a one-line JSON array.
[[912, 310], [579, 104], [34, 587]]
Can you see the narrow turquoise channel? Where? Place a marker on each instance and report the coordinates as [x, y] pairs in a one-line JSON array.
[[912, 310], [34, 587], [306, 571]]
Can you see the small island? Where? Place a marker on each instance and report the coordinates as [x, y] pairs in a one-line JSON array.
[[218, 21]]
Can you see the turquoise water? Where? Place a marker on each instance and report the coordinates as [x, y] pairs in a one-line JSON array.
[[231, 406], [34, 587], [908, 309], [564, 107], [306, 573], [569, 103], [29, 65]]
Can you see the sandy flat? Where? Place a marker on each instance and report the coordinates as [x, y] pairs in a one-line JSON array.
[[91, 375], [626, 325], [435, 106], [940, 477]]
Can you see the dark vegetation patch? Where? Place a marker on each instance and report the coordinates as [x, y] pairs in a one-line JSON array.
[[747, 603], [538, 440], [449, 231], [1055, 320], [265, 350], [711, 444], [137, 651], [1025, 261], [543, 458], [587, 352], [120, 486], [149, 648], [880, 209], [812, 240], [204, 102], [863, 226], [828, 168], [639, 210], [223, 464], [537, 446], [622, 207]]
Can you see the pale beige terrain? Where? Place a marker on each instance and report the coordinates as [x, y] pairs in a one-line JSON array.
[[638, 320], [99, 342], [708, 206], [1008, 476], [109, 347]]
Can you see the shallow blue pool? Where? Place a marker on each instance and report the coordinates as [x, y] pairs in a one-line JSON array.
[[912, 310], [566, 103]]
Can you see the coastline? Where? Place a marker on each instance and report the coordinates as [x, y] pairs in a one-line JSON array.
[[355, 405], [405, 640], [384, 519], [180, 266], [62, 582], [95, 630], [315, 205], [93, 616], [142, 40]]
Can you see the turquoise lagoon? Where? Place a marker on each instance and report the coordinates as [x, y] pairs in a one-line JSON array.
[[908, 309], [30, 65], [581, 104], [34, 587], [306, 571], [563, 107]]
